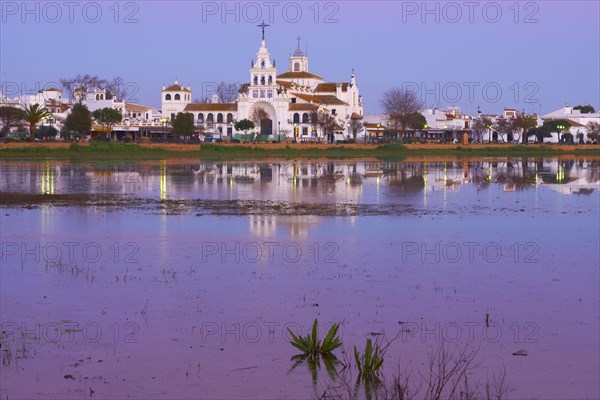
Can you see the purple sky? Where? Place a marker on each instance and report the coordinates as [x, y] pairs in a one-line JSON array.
[[466, 53]]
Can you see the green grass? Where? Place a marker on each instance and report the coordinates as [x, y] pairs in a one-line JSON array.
[[240, 152]]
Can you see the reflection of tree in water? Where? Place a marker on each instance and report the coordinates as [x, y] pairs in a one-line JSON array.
[[585, 192], [593, 172], [410, 184]]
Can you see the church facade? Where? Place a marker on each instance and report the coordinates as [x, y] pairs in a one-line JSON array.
[[287, 104]]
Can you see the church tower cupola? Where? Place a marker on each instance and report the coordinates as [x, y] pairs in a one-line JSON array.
[[298, 60], [263, 72]]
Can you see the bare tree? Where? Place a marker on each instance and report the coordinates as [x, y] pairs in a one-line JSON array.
[[258, 115], [326, 122], [117, 88], [482, 125], [355, 125], [78, 87], [400, 106], [227, 92]]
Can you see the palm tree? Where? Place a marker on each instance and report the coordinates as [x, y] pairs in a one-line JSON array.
[[33, 115], [525, 123]]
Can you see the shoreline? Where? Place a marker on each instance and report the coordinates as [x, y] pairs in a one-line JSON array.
[[279, 151]]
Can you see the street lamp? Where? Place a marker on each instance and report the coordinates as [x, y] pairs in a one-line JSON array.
[[279, 131], [164, 121]]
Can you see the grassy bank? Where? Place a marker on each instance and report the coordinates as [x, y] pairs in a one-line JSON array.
[[279, 150]]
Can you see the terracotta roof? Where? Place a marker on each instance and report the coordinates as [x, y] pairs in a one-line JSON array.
[[573, 123], [136, 107], [53, 89], [331, 87], [176, 88], [326, 99], [356, 116], [298, 75], [211, 107], [285, 84], [303, 107], [374, 125]]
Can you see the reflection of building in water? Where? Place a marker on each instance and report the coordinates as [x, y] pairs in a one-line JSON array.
[[263, 225], [48, 178], [298, 224], [163, 180]]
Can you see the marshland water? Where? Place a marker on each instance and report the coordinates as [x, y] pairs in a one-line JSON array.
[[180, 279]]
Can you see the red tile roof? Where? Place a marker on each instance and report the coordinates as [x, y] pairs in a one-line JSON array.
[[325, 99], [211, 107], [331, 87], [303, 107], [298, 75], [176, 88]]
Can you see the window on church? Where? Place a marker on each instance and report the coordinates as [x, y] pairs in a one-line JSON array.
[[262, 64], [305, 130], [305, 118], [229, 118], [177, 97], [262, 80], [293, 100], [333, 112], [201, 118], [262, 94], [270, 79], [168, 97], [297, 67], [219, 118], [296, 118], [210, 118], [255, 94], [255, 80], [269, 94]]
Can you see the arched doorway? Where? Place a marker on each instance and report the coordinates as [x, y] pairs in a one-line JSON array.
[[266, 127], [264, 117]]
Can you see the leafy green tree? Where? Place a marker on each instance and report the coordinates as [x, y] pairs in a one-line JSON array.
[[107, 117], [558, 125], [48, 131], [244, 125], [183, 124], [585, 109], [593, 131], [33, 115], [9, 117], [416, 121], [79, 120], [503, 127], [541, 133]]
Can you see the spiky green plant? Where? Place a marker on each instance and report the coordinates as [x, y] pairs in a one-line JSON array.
[[311, 346], [370, 362]]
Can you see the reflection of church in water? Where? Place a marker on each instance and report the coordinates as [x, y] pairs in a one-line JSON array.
[[289, 101]]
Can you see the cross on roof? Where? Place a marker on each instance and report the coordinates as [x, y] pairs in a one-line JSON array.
[[298, 40], [263, 26]]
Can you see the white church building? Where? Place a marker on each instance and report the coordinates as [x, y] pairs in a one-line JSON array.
[[291, 100]]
